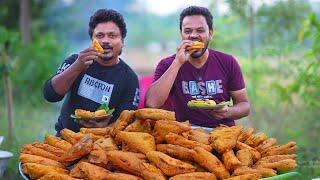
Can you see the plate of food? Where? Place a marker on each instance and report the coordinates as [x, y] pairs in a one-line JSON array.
[[207, 104], [103, 112]]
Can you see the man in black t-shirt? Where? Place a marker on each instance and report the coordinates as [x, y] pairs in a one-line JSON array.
[[90, 78]]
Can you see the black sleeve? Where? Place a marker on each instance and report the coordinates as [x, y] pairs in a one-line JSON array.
[[48, 92], [130, 98]]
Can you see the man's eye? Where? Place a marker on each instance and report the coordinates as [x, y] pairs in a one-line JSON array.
[[187, 32], [99, 35]]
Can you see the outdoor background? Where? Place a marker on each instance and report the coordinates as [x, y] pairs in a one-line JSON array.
[[277, 43]]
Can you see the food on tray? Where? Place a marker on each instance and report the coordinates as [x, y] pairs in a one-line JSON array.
[[195, 45], [96, 45], [102, 112], [130, 149], [207, 104]]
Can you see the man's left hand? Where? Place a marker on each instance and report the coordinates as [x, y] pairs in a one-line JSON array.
[[221, 113]]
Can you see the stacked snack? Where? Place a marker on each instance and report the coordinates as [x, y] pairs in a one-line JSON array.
[[151, 144]]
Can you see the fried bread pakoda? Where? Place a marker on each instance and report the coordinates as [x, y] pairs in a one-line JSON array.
[[140, 125], [264, 172], [29, 149], [57, 142], [224, 138], [172, 138], [169, 165], [210, 162], [155, 114], [266, 144], [230, 161], [176, 151], [255, 139], [163, 127], [36, 171], [29, 158], [197, 135], [137, 141], [194, 176], [51, 149], [245, 157], [122, 122], [89, 171]]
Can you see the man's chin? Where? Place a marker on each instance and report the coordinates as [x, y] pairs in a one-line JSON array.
[[198, 53]]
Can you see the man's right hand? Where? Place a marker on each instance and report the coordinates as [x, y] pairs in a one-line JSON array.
[[182, 54], [86, 58]]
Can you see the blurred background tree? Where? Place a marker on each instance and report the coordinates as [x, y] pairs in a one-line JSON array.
[[276, 42]]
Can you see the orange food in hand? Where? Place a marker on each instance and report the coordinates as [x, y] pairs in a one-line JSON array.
[[96, 45]]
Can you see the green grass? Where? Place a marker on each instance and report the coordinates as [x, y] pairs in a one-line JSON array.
[[32, 122]]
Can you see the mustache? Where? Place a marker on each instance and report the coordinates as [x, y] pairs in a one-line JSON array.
[[107, 46]]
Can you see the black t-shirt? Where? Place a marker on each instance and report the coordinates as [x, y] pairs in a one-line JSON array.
[[115, 85]]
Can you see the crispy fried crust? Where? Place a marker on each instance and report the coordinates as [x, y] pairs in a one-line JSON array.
[[29, 149], [194, 176], [230, 161], [163, 127], [245, 177], [255, 154], [172, 138], [57, 142], [197, 135], [96, 131], [137, 141], [29, 158], [169, 165], [51, 149], [264, 172], [155, 114], [245, 134], [89, 171], [255, 139], [36, 171], [57, 176], [176, 151], [122, 122], [210, 162], [266, 144], [245, 157], [224, 138], [140, 125], [288, 148]]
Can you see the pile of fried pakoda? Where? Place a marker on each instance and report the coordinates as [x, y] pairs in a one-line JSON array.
[[151, 144]]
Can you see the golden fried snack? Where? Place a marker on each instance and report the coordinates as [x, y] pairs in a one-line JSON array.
[[195, 45], [29, 158], [255, 154], [137, 141], [210, 162], [245, 177], [163, 127], [266, 144], [230, 161], [140, 125], [176, 151], [100, 112], [29, 149], [197, 135], [121, 176], [155, 114], [77, 151], [194, 176], [36, 171], [264, 172], [172, 138], [255, 139], [51, 149], [99, 158], [106, 144], [130, 162], [276, 158], [122, 122], [96, 131], [83, 113], [57, 176], [283, 165], [288, 148], [245, 134], [96, 45], [168, 165], [89, 171], [245, 157], [224, 138], [57, 142], [71, 136]]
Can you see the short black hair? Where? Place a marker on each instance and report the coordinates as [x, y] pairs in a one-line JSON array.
[[197, 10], [107, 15]]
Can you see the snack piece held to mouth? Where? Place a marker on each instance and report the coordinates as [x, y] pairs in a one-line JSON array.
[[195, 45], [96, 45]]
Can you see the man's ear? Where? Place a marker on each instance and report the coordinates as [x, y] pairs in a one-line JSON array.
[[211, 34]]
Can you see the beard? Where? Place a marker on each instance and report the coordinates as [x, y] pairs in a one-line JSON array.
[[200, 52]]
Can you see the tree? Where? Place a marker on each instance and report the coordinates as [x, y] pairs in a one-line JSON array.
[[25, 20]]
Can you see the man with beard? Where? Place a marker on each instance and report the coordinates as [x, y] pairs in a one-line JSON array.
[[90, 78], [199, 74]]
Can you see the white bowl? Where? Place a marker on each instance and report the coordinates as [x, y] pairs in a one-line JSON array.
[[4, 159]]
